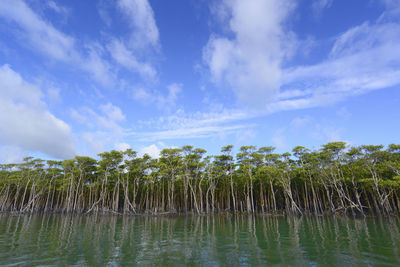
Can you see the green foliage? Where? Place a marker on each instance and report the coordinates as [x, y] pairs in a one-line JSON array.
[[335, 177]]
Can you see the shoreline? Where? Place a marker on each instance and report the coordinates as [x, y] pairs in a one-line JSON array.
[[192, 214]]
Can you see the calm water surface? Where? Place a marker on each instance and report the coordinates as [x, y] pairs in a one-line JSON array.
[[205, 241]]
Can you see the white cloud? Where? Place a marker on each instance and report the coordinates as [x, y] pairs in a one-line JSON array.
[[143, 95], [108, 118], [102, 127], [53, 95], [250, 62], [143, 38], [26, 122], [365, 37], [364, 58], [326, 133], [182, 125], [78, 116], [122, 146], [155, 97], [114, 113], [90, 56], [189, 132], [125, 57], [99, 68], [40, 33], [103, 9], [181, 119], [44, 37], [299, 122], [343, 113], [296, 127], [308, 130], [319, 5], [245, 135], [11, 154], [95, 142], [170, 100], [391, 3], [141, 18], [152, 150], [279, 139], [57, 8]]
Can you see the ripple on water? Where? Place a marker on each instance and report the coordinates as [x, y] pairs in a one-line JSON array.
[[204, 241]]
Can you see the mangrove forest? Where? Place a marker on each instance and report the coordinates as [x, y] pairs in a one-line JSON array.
[[335, 179]]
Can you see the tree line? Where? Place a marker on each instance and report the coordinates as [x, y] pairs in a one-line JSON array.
[[334, 179]]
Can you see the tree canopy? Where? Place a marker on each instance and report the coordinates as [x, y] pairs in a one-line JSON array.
[[333, 179]]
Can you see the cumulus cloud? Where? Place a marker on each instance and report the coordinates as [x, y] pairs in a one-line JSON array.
[[249, 58], [250, 61], [363, 58], [152, 150], [26, 122]]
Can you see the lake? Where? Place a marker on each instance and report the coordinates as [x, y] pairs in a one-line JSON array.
[[203, 240]]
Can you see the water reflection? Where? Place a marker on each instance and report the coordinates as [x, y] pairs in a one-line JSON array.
[[209, 240]]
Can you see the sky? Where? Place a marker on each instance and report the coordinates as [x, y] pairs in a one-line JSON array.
[[84, 77]]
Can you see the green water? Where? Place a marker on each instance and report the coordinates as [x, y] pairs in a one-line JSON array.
[[206, 241]]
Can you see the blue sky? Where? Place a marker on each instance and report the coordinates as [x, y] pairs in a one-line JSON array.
[[83, 77]]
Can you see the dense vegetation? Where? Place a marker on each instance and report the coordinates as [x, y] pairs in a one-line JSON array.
[[334, 179]]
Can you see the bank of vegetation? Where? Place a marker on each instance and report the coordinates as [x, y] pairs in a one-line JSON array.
[[334, 179]]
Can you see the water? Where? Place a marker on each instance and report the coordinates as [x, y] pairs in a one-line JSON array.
[[192, 241]]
